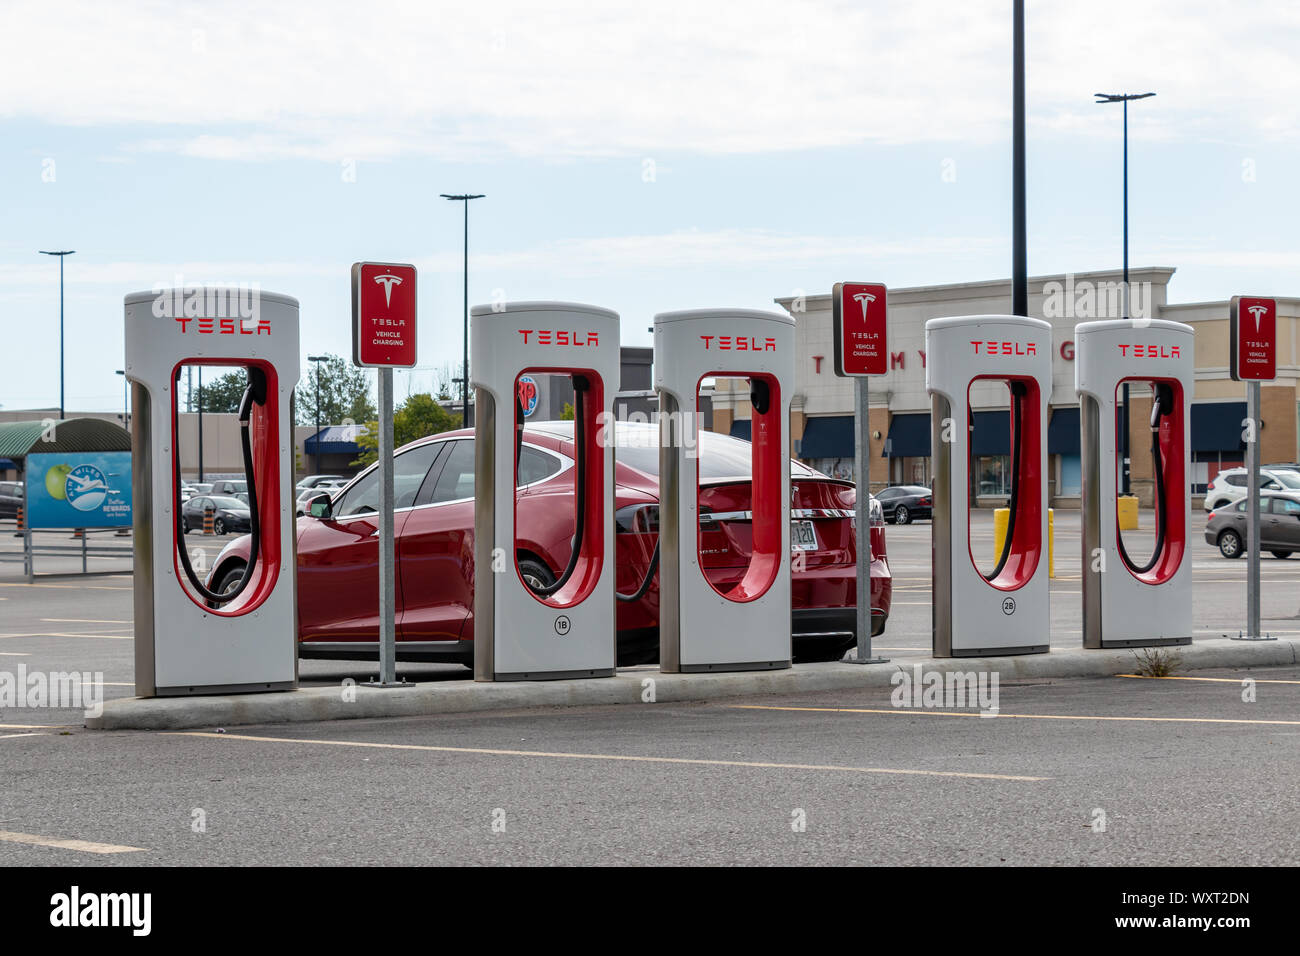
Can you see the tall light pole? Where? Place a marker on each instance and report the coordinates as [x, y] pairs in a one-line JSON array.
[[60, 254], [1019, 240], [1124, 98], [464, 388], [126, 403], [318, 359]]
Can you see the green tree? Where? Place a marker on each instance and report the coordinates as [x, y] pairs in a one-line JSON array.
[[568, 413], [344, 393], [222, 394], [417, 417]]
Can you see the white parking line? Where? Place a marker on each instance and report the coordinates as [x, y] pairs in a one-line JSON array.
[[83, 846]]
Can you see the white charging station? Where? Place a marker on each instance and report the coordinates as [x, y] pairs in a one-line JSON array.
[[1129, 602], [968, 360], [747, 627], [519, 633], [187, 642]]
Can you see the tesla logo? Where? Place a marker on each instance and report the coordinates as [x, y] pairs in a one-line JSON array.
[[550, 337], [1006, 348], [1258, 311], [1152, 351], [739, 343], [388, 280], [864, 299], [226, 326]]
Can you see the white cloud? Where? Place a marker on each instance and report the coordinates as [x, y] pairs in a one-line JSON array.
[[333, 80]]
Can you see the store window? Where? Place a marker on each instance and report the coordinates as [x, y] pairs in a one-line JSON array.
[[991, 475]]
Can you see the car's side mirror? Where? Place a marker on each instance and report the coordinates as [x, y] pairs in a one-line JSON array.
[[321, 507]]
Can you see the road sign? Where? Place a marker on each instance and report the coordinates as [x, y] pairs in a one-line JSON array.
[[383, 315], [859, 311], [1253, 325]]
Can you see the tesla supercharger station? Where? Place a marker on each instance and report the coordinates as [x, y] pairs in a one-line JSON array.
[[747, 626], [967, 358], [1127, 602], [566, 629], [189, 640]]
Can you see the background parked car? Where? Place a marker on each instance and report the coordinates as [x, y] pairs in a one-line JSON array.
[[1229, 485], [904, 503], [1279, 525], [311, 481], [305, 495], [229, 514], [338, 574], [11, 496], [228, 486]]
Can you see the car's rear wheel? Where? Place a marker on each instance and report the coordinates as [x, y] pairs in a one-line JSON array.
[[1281, 555], [230, 580], [535, 574], [902, 515], [1230, 544]]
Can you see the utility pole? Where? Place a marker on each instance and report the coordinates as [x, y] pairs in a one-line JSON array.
[[464, 370], [61, 254]]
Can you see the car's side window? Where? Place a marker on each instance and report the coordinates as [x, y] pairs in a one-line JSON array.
[[361, 498], [1286, 506], [1237, 481], [409, 469], [536, 465], [457, 478]]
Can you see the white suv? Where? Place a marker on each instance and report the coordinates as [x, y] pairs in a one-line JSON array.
[[1230, 485]]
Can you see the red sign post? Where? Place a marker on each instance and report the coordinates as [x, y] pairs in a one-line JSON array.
[[383, 315], [1253, 324], [383, 337], [859, 311]]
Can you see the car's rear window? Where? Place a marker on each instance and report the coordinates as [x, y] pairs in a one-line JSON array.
[[720, 456]]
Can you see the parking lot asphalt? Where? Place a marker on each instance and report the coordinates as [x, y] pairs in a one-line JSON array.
[[84, 623], [1108, 770], [1104, 771]]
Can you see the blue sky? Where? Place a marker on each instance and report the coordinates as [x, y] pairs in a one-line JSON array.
[[648, 158]]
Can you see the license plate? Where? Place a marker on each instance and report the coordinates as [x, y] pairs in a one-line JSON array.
[[802, 536]]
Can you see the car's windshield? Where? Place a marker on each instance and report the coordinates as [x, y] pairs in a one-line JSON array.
[[233, 504], [1288, 479]]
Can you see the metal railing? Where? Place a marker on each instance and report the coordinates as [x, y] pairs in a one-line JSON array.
[[36, 543]]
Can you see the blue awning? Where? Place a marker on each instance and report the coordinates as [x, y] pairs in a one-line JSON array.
[[1063, 432], [1216, 426], [7, 463], [335, 440], [828, 436], [909, 436], [992, 435], [741, 428]]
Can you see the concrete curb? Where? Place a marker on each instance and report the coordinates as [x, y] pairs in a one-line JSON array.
[[327, 703]]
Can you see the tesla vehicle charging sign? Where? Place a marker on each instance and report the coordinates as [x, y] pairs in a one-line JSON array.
[[859, 311], [1253, 324], [79, 490], [383, 315]]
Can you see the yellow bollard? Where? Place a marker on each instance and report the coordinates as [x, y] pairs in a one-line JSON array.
[[1128, 512], [1002, 517]]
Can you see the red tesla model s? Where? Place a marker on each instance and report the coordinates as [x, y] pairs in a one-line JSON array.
[[338, 571]]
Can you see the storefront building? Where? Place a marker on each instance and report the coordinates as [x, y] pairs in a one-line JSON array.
[[822, 417]]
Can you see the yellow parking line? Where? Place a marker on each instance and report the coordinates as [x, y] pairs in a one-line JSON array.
[[613, 757], [917, 711], [1217, 680], [84, 846]]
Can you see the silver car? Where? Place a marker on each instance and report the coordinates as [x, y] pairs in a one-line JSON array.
[[1279, 525]]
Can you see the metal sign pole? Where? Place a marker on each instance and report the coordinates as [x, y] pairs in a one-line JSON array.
[[862, 472], [387, 581], [1252, 517]]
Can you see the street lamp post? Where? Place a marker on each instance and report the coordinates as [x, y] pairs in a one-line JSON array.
[[317, 359], [1124, 98], [126, 403], [464, 388], [60, 254]]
